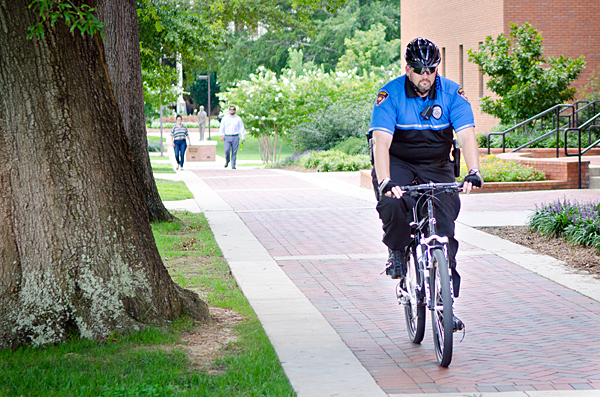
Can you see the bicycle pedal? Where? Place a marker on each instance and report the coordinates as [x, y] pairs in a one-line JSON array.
[[458, 324]]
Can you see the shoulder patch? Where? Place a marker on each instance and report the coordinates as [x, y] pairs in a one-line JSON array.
[[461, 92], [382, 96]]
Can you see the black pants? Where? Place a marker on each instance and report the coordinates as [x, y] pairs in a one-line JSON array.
[[396, 214]]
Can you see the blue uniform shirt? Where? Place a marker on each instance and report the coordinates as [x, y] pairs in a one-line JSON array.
[[397, 111]]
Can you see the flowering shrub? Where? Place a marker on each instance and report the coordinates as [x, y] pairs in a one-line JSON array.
[[572, 220], [271, 105], [494, 169]]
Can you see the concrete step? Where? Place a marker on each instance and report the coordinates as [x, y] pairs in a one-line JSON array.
[[594, 182], [594, 170]]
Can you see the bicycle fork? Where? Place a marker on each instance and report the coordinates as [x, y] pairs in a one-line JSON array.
[[425, 248]]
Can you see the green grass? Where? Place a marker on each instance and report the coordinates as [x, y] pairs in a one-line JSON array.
[[139, 364], [162, 168], [250, 150], [173, 190], [152, 138]]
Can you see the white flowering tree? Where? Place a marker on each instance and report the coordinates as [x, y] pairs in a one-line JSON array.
[[271, 104]]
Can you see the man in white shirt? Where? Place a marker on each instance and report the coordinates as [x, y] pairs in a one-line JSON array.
[[231, 130]]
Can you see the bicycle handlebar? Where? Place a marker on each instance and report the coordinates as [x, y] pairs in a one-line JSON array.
[[425, 187]]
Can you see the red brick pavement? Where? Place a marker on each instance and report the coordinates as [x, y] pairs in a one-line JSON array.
[[523, 332]]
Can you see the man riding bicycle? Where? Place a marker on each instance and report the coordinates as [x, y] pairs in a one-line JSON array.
[[412, 125]]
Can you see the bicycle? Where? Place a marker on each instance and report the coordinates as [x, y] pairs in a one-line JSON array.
[[428, 281]]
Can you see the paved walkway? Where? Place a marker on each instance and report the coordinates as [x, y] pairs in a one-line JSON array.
[[306, 250]]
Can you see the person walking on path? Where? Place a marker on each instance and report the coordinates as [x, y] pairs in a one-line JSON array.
[[232, 131], [412, 125], [202, 117], [179, 134]]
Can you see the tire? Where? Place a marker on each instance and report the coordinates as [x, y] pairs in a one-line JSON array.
[[442, 322], [414, 309]]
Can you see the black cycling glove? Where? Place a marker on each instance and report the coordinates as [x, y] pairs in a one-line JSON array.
[[474, 177], [385, 186]]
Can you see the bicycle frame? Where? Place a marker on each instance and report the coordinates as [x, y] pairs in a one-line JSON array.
[[426, 240], [428, 280]]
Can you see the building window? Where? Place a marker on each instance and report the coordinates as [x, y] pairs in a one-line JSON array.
[[460, 66], [480, 76], [444, 61]]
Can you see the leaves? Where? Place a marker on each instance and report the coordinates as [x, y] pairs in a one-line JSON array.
[[524, 81], [80, 18]]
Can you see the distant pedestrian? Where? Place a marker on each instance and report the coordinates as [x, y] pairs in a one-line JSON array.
[[179, 134], [231, 129], [202, 117]]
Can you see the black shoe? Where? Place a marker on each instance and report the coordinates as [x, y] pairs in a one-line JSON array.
[[233, 168], [396, 267], [226, 165], [458, 324]]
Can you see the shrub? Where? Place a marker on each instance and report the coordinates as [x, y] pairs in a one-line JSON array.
[[494, 169], [332, 125], [576, 222], [154, 146], [333, 160], [353, 145]]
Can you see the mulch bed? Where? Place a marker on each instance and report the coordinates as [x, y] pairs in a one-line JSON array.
[[580, 257]]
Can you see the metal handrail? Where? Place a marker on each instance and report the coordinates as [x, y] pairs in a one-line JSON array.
[[554, 109], [588, 124], [573, 121]]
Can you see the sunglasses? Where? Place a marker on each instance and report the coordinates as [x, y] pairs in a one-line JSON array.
[[423, 70]]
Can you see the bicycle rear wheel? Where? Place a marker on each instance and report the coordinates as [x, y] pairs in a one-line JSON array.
[[414, 309], [442, 321]]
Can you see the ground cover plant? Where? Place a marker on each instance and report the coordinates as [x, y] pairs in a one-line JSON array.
[[330, 161], [158, 362], [494, 169], [577, 222]]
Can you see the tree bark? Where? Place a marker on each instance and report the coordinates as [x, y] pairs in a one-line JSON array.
[[122, 50], [77, 252]]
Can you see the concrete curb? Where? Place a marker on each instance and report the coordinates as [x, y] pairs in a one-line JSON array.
[[313, 356]]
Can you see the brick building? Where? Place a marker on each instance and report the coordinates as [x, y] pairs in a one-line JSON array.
[[568, 28]]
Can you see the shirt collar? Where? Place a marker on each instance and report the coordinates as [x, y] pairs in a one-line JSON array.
[[411, 93]]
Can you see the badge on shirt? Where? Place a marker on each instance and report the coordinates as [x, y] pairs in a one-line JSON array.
[[382, 96], [437, 112], [461, 92]]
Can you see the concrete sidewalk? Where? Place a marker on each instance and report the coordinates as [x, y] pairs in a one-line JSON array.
[[305, 249]]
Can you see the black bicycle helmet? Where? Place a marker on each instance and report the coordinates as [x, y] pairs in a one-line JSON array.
[[422, 53]]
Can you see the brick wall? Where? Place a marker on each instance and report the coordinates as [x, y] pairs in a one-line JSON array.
[[567, 28], [450, 24]]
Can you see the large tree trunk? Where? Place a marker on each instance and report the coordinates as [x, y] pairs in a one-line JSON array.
[[76, 247], [122, 50]]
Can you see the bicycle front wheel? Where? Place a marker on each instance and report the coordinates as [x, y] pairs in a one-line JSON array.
[[442, 321], [414, 309]]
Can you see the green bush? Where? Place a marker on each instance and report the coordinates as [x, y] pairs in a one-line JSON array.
[[353, 145], [330, 161], [494, 169], [154, 146], [329, 126], [576, 222]]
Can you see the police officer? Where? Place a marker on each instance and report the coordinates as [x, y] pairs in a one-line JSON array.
[[412, 125]]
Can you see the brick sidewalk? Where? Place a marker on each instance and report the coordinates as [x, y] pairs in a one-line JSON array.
[[524, 332]]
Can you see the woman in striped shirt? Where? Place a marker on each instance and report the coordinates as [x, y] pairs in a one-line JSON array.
[[179, 133]]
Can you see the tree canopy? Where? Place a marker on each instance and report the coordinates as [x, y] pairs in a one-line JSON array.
[[525, 82]]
